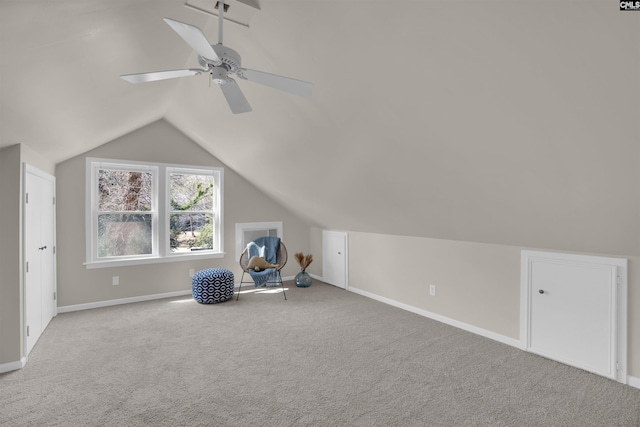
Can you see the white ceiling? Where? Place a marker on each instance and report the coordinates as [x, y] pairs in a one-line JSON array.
[[428, 118]]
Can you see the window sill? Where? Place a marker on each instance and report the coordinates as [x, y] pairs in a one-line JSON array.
[[153, 260]]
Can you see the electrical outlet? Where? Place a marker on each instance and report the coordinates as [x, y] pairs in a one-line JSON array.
[[115, 281], [432, 290], [191, 272]]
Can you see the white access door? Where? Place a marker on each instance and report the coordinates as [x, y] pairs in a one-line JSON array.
[[39, 253], [573, 313], [334, 258]]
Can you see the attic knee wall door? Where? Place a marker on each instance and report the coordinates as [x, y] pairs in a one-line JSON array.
[[334, 258], [573, 308]]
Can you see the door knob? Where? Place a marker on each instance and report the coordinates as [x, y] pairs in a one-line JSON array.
[[42, 248], [541, 291]]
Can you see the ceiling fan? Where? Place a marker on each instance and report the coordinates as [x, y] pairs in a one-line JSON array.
[[221, 62]]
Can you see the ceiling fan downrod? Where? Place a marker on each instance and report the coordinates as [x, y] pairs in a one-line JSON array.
[[221, 11]]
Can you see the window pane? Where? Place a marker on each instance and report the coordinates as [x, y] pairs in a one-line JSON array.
[[191, 231], [124, 234], [122, 191], [191, 192]]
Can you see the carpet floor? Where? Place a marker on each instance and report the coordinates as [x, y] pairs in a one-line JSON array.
[[324, 357]]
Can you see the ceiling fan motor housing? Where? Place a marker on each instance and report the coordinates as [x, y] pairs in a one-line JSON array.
[[227, 57]]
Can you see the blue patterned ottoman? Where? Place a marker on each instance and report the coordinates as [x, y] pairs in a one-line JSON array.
[[212, 285]]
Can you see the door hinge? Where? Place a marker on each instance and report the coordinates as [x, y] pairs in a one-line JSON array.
[[617, 366], [27, 330], [54, 296], [26, 198], [54, 200], [54, 250], [618, 280], [27, 266]]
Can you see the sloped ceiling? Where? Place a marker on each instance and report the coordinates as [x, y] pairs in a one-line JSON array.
[[511, 122], [61, 93]]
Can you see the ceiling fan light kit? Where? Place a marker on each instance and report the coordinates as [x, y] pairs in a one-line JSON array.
[[219, 75], [221, 62]]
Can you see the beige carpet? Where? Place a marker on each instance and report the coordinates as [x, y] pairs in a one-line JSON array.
[[325, 357]]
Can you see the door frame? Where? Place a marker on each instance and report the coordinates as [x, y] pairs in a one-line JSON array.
[[619, 335], [29, 169]]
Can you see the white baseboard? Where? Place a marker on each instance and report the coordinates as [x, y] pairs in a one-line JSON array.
[[633, 381], [109, 303], [461, 325], [13, 366]]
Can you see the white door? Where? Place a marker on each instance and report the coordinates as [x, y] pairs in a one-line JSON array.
[[572, 305], [334, 258], [39, 253]]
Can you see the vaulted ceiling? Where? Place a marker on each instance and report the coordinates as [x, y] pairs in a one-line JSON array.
[[486, 120]]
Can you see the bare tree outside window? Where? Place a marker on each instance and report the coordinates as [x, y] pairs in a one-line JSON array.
[[191, 212], [124, 218]]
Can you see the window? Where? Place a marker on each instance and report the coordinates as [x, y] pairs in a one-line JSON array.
[[126, 211], [191, 210], [146, 212]]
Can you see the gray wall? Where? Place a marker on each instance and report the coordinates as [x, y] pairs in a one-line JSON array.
[[158, 142], [10, 255]]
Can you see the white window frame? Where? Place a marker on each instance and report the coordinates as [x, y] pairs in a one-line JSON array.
[[217, 194], [161, 251]]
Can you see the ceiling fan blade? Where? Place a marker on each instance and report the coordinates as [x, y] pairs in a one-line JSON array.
[[296, 87], [194, 38], [235, 98], [160, 75]]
